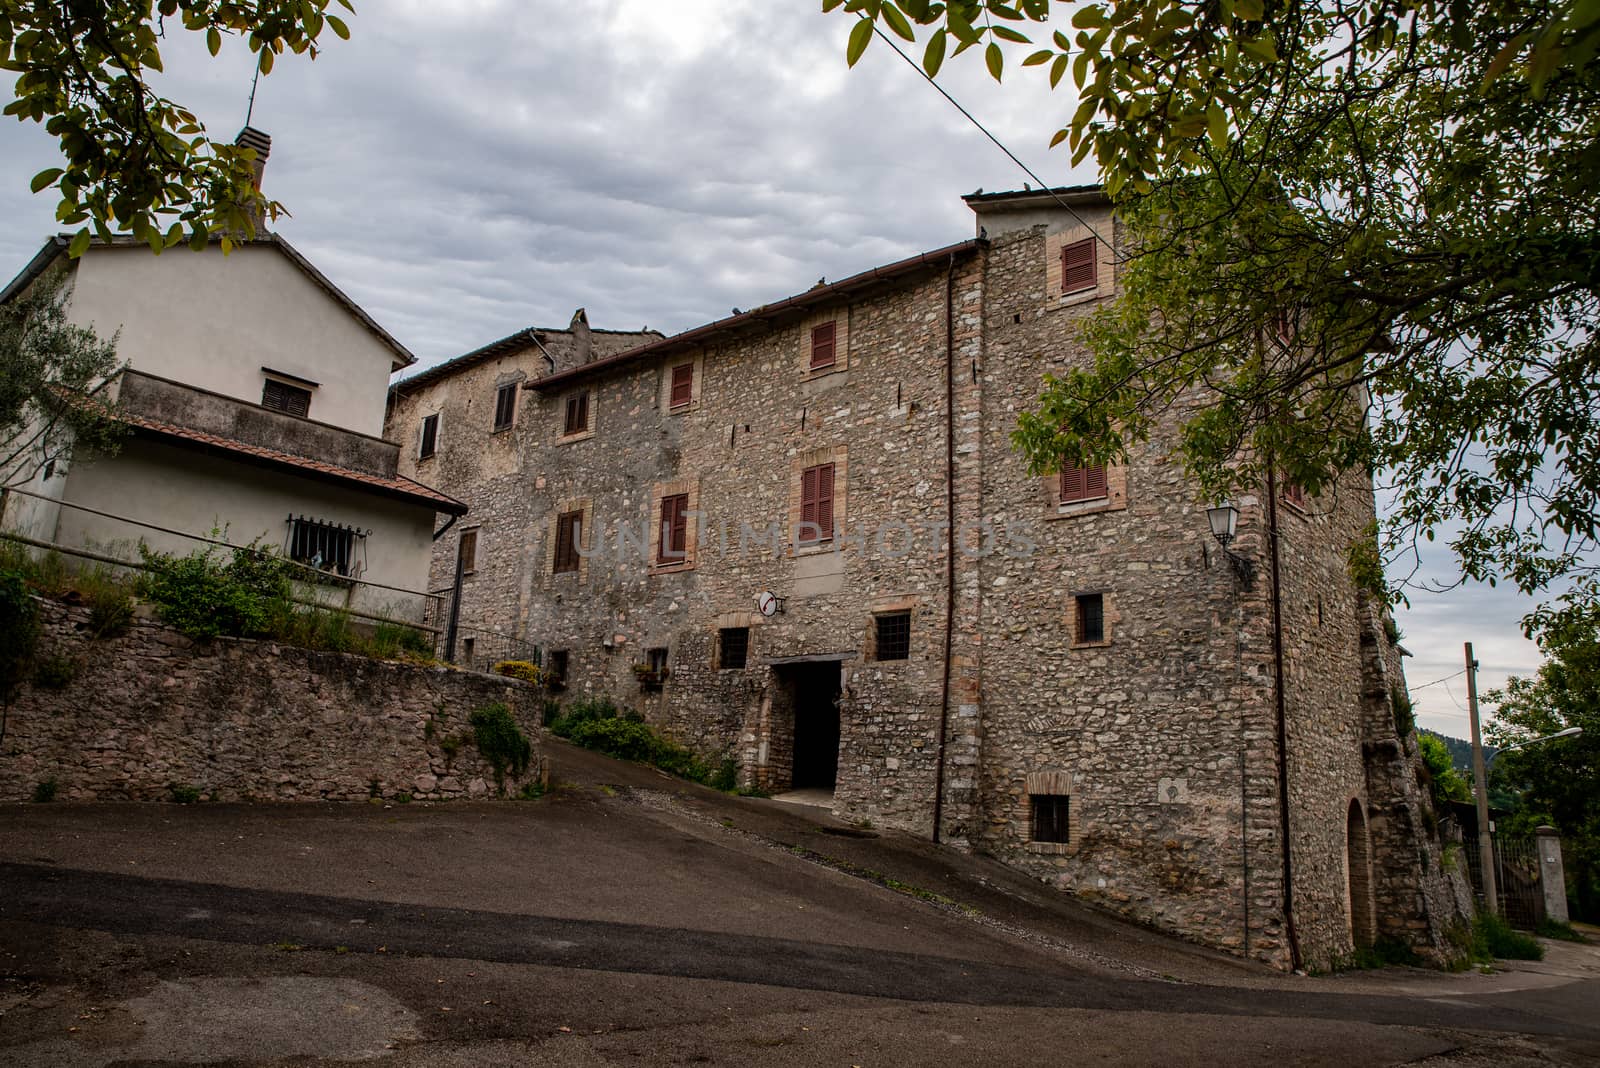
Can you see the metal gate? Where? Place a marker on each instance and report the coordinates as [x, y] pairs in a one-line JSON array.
[[1517, 874]]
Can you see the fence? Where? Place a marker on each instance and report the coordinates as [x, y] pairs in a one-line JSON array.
[[1517, 879]]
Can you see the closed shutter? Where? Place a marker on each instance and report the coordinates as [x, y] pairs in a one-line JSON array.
[[569, 536], [682, 385], [577, 414], [1078, 266], [823, 348], [674, 528], [282, 397], [1083, 483], [816, 504]]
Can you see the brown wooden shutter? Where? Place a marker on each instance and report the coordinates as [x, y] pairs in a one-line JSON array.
[[282, 397], [808, 502], [577, 414], [825, 501], [1078, 266], [823, 349], [1083, 483], [569, 534], [682, 385], [674, 545]]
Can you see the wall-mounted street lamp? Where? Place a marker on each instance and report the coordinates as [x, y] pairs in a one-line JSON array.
[[1224, 519]]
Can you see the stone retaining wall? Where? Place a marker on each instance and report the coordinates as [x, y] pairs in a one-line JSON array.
[[246, 720]]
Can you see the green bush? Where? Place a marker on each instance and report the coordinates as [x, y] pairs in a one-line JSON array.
[[183, 794], [1492, 936], [207, 594], [19, 630], [1404, 720], [501, 742], [1387, 952], [44, 792], [397, 640], [55, 672], [110, 603], [1555, 929], [599, 725]]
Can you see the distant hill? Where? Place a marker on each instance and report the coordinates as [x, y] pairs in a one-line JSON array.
[[1460, 750]]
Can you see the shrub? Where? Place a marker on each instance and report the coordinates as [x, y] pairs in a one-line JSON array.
[[501, 742], [390, 640], [599, 725], [402, 798], [19, 630], [520, 669], [552, 711], [204, 596], [531, 791], [1404, 721], [110, 603], [45, 792], [1386, 952], [55, 672], [183, 794], [1561, 932], [1492, 936]]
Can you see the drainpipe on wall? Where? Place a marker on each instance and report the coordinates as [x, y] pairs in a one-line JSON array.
[[950, 540], [1282, 717]]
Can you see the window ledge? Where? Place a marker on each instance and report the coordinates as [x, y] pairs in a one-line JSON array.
[[1050, 848], [823, 372], [1082, 296], [1089, 507], [814, 548], [672, 568], [1105, 644], [568, 439]]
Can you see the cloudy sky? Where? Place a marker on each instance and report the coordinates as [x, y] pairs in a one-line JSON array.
[[466, 169]]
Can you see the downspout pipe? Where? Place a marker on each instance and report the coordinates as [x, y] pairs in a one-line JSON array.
[[1282, 719], [950, 540]]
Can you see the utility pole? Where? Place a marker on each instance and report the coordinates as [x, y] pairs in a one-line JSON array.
[[1480, 779]]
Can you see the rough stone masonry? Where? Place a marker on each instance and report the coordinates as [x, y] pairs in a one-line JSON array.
[[1064, 672]]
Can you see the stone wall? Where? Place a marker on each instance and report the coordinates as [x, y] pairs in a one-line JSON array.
[[246, 720]]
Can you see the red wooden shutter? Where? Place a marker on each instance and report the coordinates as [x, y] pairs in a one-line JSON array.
[[682, 385], [823, 336], [1078, 266], [569, 534], [1094, 481]]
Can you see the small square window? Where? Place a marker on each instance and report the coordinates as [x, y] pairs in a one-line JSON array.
[[428, 440], [569, 538], [282, 397], [682, 386], [1295, 494], [1082, 483], [1078, 266], [824, 345], [733, 647], [1091, 618], [1049, 818], [892, 636], [467, 551], [505, 406], [577, 414]]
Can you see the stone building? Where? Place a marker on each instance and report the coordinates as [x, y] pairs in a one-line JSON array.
[[799, 537]]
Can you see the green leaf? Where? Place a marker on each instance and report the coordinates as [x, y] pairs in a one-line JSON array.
[[336, 24], [860, 37], [45, 178], [1061, 135], [213, 40], [1217, 127], [933, 56], [1006, 33], [897, 22], [1088, 18], [1034, 59], [994, 59], [80, 243]]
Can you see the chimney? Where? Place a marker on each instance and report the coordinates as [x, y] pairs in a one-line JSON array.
[[582, 343], [250, 137]]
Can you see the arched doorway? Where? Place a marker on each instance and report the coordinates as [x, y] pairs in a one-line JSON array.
[[1358, 862]]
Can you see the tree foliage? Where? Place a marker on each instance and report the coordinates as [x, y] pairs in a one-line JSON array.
[[1360, 235], [1444, 781], [135, 161], [1558, 782], [52, 374]]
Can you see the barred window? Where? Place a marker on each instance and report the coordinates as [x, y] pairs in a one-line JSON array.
[[892, 636], [1049, 822], [1091, 617], [733, 647], [324, 546]]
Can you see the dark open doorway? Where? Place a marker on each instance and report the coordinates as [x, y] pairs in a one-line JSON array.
[[815, 690]]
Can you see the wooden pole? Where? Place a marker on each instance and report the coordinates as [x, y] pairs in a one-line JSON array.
[[1480, 779]]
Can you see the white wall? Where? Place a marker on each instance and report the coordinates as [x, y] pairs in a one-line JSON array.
[[214, 321], [192, 492]]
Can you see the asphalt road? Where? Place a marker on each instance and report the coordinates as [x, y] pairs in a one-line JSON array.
[[627, 918]]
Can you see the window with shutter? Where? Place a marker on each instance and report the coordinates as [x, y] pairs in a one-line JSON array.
[[1295, 494], [816, 504], [505, 406], [577, 414], [282, 397], [682, 385], [569, 537], [823, 345], [1078, 266], [467, 551], [428, 442], [674, 547], [1083, 483]]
